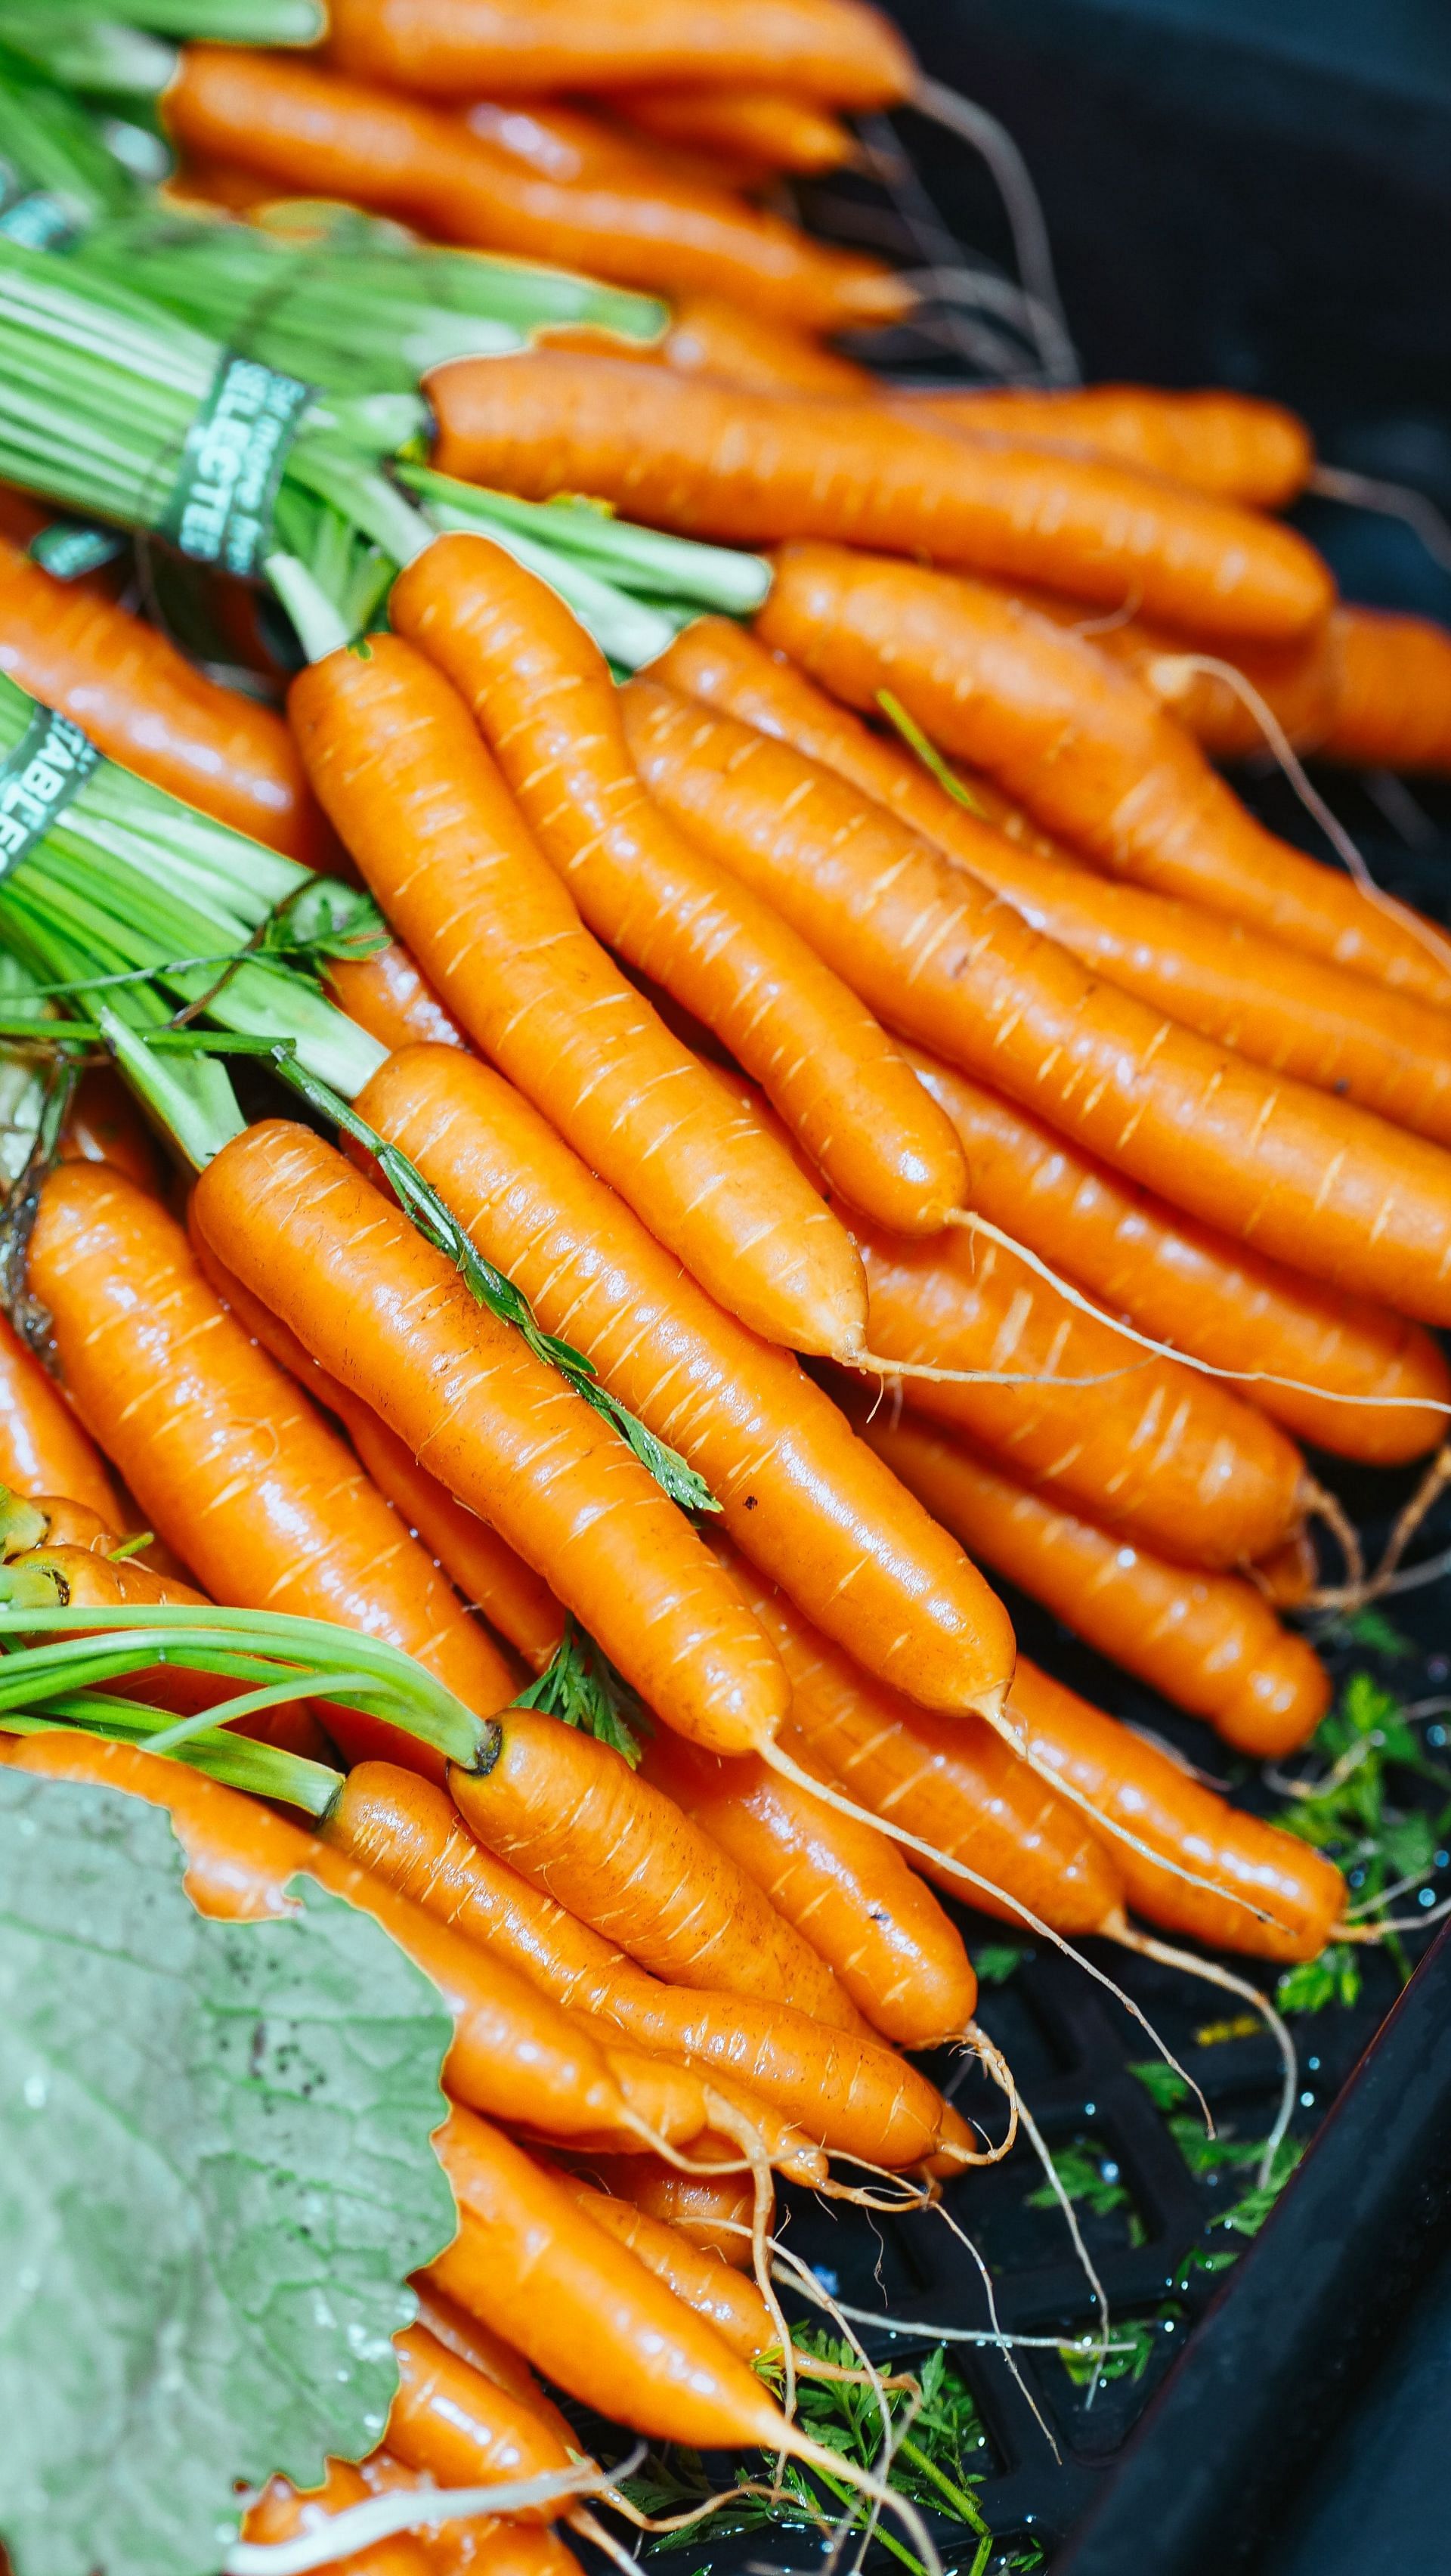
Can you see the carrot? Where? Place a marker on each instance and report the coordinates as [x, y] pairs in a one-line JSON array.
[[1321, 1184], [568, 144], [104, 1125], [474, 1557], [1082, 745], [398, 763], [734, 2307], [850, 2094], [67, 1576], [513, 2053], [51, 1520], [43, 1449], [1143, 1444], [1164, 1805], [782, 131], [228, 1460], [463, 2428], [283, 2511], [708, 337], [476, 2343], [713, 2214], [481, 2545], [1193, 1288], [796, 1489], [389, 997], [568, 1813], [828, 49], [842, 1884], [1392, 701], [1210, 1642], [543, 695], [318, 134], [1232, 445], [391, 1319], [149, 709], [754, 468]]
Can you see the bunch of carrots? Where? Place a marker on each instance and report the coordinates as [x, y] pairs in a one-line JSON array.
[[864, 1077]]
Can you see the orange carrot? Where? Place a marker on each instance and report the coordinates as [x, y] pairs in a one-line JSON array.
[[389, 997], [850, 2094], [513, 2052], [1232, 445], [843, 1885], [463, 2428], [1211, 1642], [306, 130], [1321, 1184], [570, 145], [399, 765], [754, 468], [1082, 745], [734, 2307], [43, 1449], [714, 2214], [543, 695], [1143, 1444], [83, 1579], [569, 1814], [228, 1460], [1190, 1287], [104, 1125], [283, 2511], [391, 1319], [771, 126], [828, 49], [1392, 701], [1133, 1781], [796, 1489], [708, 337], [483, 2545], [148, 708], [51, 1520]]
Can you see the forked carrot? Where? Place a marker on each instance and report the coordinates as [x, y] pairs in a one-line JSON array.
[[391, 1319], [1210, 1642], [757, 468], [1319, 1183], [1229, 444], [43, 1449], [797, 1491], [227, 1459], [548, 708], [399, 765], [1082, 745]]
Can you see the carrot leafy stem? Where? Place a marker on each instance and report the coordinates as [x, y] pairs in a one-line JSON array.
[[581, 1687]]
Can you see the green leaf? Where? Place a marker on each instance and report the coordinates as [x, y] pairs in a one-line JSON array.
[[1164, 2084], [215, 2174], [1333, 1978], [581, 1687], [996, 1962]]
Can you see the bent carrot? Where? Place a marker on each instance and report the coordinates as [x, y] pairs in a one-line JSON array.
[[783, 131], [149, 709], [1082, 745], [1233, 445], [389, 997], [391, 1319], [1193, 1288], [1143, 1444], [796, 1489], [829, 49], [714, 2214], [43, 1449], [1210, 1642], [513, 2052], [399, 765], [1321, 1184], [1127, 1778], [543, 695], [227, 1459], [848, 1891], [849, 2094], [283, 2512], [734, 2307], [309, 130], [570, 1815], [755, 468]]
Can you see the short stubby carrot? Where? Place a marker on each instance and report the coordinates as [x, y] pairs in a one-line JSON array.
[[391, 1319], [398, 763], [837, 50], [1134, 1783], [227, 1459], [797, 1490], [758, 468], [1210, 1642], [43, 1449], [571, 1816], [1194, 1288], [846, 1888], [548, 707], [308, 130], [147, 707], [1081, 744], [392, 999], [1319, 1183], [1233, 445]]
